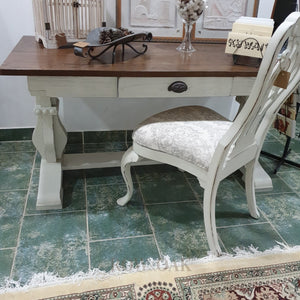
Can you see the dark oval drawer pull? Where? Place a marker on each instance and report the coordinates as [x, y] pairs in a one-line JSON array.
[[178, 87]]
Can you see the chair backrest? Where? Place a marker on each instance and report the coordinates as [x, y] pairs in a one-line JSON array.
[[281, 59]]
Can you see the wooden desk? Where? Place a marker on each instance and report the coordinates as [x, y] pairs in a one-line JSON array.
[[59, 73]]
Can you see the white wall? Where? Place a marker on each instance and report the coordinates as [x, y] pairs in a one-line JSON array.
[[16, 104], [86, 114], [265, 8]]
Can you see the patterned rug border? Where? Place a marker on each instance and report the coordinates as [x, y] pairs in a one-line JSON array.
[[45, 285], [199, 286], [224, 282]]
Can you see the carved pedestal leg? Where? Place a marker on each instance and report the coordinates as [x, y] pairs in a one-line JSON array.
[[50, 193], [49, 138]]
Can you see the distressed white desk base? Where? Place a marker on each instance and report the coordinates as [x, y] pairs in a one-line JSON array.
[[50, 191], [50, 137]]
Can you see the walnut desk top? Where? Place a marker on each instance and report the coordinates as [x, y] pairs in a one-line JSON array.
[[161, 60]]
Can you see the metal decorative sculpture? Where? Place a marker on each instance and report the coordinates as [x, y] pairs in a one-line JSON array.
[[110, 37]]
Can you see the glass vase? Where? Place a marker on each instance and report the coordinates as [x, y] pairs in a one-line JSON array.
[[189, 11], [186, 45]]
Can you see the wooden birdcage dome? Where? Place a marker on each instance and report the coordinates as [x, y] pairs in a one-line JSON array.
[[73, 18]]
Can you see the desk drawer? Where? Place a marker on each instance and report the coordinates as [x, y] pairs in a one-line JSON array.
[[133, 87], [63, 86]]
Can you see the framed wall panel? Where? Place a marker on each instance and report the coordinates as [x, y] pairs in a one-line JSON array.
[[157, 16], [218, 17]]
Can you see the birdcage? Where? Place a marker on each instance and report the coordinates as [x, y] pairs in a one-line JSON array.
[[72, 18]]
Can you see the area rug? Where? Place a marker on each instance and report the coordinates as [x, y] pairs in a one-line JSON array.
[[259, 276]]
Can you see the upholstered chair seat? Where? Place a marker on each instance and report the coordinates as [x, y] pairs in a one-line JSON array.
[[191, 133]]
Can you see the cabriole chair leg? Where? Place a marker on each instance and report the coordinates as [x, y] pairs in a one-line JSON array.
[[128, 158], [250, 189], [209, 204]]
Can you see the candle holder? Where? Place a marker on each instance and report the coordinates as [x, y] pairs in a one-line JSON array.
[[190, 11]]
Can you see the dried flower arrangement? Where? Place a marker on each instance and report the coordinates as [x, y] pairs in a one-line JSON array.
[[190, 10]]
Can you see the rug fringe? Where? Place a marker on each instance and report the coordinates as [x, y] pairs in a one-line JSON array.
[[46, 279]]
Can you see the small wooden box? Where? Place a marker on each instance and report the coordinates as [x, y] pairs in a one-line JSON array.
[[74, 18]]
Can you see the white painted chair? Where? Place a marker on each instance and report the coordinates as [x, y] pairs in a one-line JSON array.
[[203, 143]]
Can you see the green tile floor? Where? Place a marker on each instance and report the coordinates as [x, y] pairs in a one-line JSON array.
[[164, 217]]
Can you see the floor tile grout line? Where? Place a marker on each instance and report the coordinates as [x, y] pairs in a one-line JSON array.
[[148, 217], [8, 248], [222, 243], [291, 187], [293, 169], [121, 238], [256, 223], [271, 161], [126, 142], [16, 190], [18, 141], [235, 179], [194, 192], [83, 142], [242, 225], [87, 224], [105, 184], [171, 202], [54, 212], [153, 232], [274, 228], [15, 141], [276, 140], [82, 136], [14, 152], [22, 218], [274, 194], [201, 205]]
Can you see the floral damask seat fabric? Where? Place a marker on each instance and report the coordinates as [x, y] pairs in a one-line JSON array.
[[202, 142], [191, 133]]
